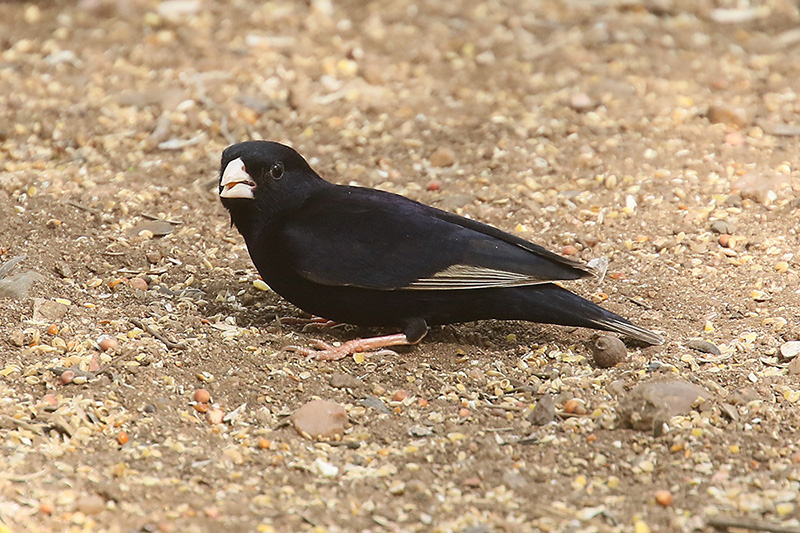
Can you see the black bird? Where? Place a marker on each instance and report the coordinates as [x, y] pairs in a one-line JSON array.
[[373, 258]]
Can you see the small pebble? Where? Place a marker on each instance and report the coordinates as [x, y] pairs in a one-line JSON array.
[[725, 114], [320, 419], [472, 482], [138, 284], [443, 157], [215, 416], [324, 468], [608, 351], [17, 338], [581, 102], [723, 226], [794, 366], [153, 256], [47, 310], [743, 396], [419, 431], [91, 504], [341, 380], [544, 412], [650, 404], [703, 346]]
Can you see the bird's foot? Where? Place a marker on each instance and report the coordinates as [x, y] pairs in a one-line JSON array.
[[313, 322], [323, 351]]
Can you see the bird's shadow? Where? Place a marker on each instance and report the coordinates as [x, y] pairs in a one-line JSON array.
[[265, 311]]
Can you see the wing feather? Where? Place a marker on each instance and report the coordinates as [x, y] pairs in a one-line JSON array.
[[377, 240]]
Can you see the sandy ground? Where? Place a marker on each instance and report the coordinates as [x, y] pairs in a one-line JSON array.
[[661, 135]]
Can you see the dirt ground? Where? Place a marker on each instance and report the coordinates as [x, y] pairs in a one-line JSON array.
[[662, 135]]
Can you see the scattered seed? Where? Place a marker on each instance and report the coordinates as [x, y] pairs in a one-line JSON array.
[[215, 416], [106, 342], [202, 395], [664, 498], [400, 395]]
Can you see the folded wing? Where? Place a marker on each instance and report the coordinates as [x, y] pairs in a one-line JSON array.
[[377, 240]]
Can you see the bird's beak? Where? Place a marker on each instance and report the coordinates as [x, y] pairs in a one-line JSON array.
[[236, 182]]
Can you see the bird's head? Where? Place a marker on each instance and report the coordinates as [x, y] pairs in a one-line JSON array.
[[262, 179]]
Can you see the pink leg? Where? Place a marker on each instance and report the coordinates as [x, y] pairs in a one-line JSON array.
[[326, 352], [314, 321]]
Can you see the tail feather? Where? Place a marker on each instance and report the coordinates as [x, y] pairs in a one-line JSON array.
[[620, 325], [550, 303]]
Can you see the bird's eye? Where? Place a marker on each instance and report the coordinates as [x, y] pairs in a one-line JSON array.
[[276, 171]]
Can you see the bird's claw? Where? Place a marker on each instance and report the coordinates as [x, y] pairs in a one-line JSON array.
[[322, 351], [313, 322]]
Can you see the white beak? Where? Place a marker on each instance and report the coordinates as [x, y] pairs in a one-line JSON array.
[[236, 182]]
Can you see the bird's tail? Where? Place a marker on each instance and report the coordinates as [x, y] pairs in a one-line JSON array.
[[552, 304]]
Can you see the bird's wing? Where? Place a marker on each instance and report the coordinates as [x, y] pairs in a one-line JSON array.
[[371, 239]]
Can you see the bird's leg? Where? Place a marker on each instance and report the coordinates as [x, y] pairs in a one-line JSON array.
[[415, 330], [314, 321], [325, 352]]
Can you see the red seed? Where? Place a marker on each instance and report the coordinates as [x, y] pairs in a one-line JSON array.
[[569, 250], [202, 395], [400, 395], [734, 138], [572, 405], [106, 342], [664, 498], [50, 400]]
